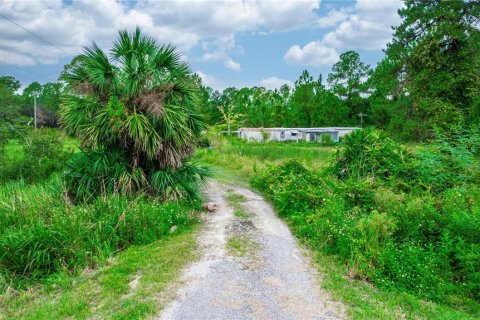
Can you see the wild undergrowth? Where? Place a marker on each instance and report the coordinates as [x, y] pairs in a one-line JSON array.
[[248, 158], [31, 156], [406, 222], [42, 232]]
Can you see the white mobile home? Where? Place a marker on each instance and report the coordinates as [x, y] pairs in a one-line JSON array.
[[294, 134]]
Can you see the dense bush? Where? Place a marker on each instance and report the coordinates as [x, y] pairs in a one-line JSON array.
[[93, 173], [33, 157], [422, 239], [370, 152], [41, 233]]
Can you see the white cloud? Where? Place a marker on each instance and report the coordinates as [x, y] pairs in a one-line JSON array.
[[15, 58], [313, 54], [357, 33], [274, 83], [219, 48], [368, 27], [233, 65], [220, 18], [333, 17], [185, 24], [208, 80]]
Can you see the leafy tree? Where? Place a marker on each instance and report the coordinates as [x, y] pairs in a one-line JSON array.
[[437, 47], [50, 96], [331, 110], [348, 81], [302, 103], [9, 84], [280, 100], [32, 89], [10, 108], [230, 117], [135, 114]]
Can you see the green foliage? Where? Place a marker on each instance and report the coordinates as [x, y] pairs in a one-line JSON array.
[[326, 140], [33, 158], [348, 81], [42, 233], [370, 153], [434, 56], [422, 239], [92, 173], [135, 114]]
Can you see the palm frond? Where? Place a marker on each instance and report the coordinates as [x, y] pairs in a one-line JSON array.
[[139, 129], [135, 117]]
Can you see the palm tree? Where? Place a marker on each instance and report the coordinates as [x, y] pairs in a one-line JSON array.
[[133, 111]]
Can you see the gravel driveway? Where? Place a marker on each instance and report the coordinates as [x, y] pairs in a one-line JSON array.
[[251, 267]]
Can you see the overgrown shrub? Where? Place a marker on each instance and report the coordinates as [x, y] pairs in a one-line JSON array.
[[135, 127], [326, 140], [370, 153], [444, 166], [42, 233], [90, 174], [418, 241], [33, 157]]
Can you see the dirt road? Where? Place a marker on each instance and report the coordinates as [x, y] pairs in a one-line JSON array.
[[251, 267]]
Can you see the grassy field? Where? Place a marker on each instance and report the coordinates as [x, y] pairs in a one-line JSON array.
[[246, 158], [238, 162], [133, 285], [113, 258]]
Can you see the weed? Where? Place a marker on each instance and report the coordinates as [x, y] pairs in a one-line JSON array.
[[241, 246], [242, 214], [41, 233]]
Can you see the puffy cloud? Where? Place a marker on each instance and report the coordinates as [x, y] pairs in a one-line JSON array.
[[220, 18], [16, 58], [208, 80], [358, 33], [368, 27], [233, 65], [313, 54], [333, 17], [71, 25], [274, 83], [219, 48]]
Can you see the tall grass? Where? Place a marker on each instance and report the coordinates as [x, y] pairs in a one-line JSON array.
[[248, 158], [41, 232]]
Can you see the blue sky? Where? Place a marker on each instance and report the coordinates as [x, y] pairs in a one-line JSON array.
[[228, 43]]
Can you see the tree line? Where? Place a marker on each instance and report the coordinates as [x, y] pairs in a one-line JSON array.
[[17, 109], [428, 79]]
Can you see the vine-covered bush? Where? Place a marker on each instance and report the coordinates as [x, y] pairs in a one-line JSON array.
[[421, 239], [370, 152]]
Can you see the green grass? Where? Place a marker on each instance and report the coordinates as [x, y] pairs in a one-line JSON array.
[[244, 159], [364, 301], [242, 214], [241, 246], [235, 201], [109, 293]]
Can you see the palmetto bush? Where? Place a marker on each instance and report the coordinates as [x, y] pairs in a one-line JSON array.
[[370, 153], [134, 112]]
